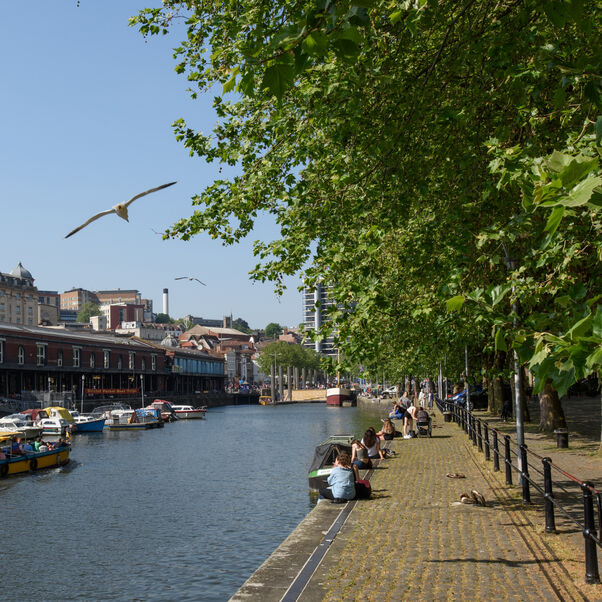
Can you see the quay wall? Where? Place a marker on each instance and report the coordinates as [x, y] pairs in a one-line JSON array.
[[375, 404], [305, 395]]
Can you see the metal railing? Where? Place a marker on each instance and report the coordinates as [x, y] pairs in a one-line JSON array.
[[496, 445]]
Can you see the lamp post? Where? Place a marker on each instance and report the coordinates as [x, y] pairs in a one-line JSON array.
[[82, 399], [142, 390], [512, 265]]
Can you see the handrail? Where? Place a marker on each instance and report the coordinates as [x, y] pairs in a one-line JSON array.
[[479, 430]]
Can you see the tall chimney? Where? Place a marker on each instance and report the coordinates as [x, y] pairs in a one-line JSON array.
[[165, 302]]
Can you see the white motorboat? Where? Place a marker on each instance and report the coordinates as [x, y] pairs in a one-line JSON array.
[[189, 412], [20, 423], [53, 426]]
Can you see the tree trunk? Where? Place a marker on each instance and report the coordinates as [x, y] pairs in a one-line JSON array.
[[496, 397], [551, 414]]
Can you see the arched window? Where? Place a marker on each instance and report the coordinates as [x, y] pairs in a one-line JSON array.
[[21, 355]]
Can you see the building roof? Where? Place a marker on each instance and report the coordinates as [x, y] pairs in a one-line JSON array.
[[82, 337], [199, 330], [21, 272]]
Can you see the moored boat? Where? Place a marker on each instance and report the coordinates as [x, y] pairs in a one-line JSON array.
[[30, 461], [187, 412], [324, 457], [134, 420], [85, 423], [338, 396]]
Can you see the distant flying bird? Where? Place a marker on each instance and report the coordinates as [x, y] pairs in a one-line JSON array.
[[121, 209], [189, 278]]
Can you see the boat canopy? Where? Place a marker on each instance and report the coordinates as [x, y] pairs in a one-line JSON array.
[[327, 452], [61, 412], [36, 413]]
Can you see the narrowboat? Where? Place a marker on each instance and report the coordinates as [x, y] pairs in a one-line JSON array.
[[324, 457]]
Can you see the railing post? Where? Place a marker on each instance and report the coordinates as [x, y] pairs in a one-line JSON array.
[[473, 425], [548, 495], [525, 474], [496, 453], [486, 434], [508, 460], [479, 436], [589, 528]]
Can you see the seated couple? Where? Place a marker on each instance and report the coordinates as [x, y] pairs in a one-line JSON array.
[[342, 482]]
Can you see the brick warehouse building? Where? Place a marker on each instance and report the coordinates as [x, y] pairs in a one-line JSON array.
[[47, 359]]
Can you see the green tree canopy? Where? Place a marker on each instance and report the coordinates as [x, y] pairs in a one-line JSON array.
[[241, 325], [288, 354], [273, 330], [433, 161], [163, 319], [88, 310]]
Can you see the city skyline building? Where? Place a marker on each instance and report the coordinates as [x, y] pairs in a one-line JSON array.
[[315, 303]]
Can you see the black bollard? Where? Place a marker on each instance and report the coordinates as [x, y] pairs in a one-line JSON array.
[[525, 475], [508, 460], [548, 495], [589, 528], [486, 435], [562, 438], [496, 453]]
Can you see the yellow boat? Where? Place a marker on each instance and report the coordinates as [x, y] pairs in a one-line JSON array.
[[11, 465]]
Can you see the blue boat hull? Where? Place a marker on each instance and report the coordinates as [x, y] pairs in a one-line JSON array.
[[94, 426]]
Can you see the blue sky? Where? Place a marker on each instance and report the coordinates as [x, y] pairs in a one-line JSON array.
[[86, 110]]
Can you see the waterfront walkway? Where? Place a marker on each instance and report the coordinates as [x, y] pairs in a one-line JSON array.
[[413, 540]]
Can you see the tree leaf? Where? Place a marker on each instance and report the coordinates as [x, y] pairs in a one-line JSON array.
[[455, 303], [500, 340], [278, 78], [316, 43], [554, 220]]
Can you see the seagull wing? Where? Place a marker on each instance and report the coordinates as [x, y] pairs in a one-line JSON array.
[[181, 278], [148, 192], [199, 281], [93, 218]]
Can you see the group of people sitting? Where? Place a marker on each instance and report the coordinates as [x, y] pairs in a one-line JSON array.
[[403, 409], [344, 482], [18, 447]]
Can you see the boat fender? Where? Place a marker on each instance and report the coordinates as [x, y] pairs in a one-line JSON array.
[[4, 470], [33, 464]]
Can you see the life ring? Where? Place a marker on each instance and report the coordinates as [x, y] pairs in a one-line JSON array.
[[33, 464], [4, 470]]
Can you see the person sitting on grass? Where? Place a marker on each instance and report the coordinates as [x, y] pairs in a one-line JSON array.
[[341, 481]]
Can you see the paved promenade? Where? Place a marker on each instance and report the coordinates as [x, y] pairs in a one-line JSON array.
[[413, 540]]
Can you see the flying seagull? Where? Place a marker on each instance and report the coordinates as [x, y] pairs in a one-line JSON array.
[[121, 209], [189, 278]]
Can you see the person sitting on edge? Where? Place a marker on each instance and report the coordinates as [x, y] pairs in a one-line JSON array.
[[388, 431], [359, 455], [341, 481], [408, 421], [372, 443], [398, 411], [27, 448]]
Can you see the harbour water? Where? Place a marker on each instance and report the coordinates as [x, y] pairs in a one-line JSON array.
[[187, 512]]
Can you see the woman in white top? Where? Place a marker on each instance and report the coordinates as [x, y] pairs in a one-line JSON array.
[[371, 442]]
